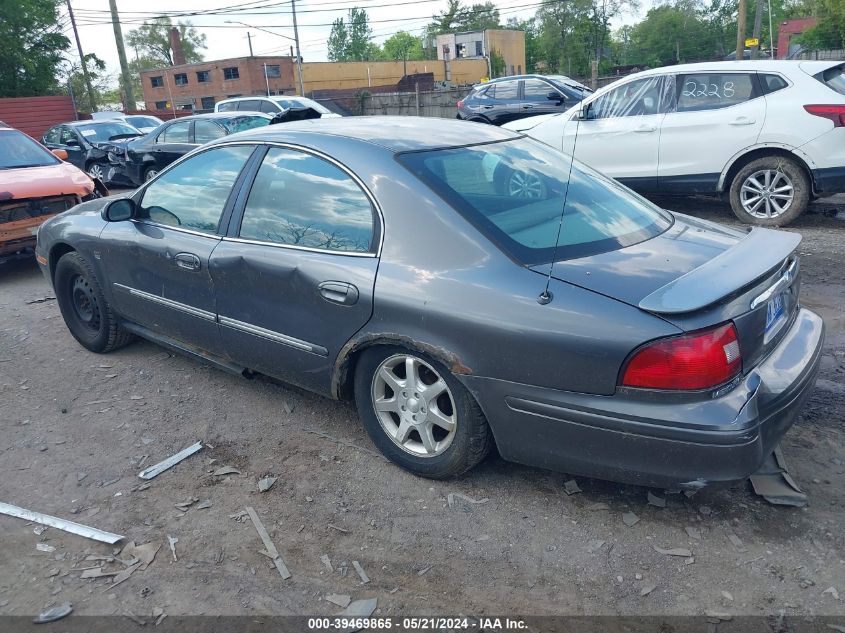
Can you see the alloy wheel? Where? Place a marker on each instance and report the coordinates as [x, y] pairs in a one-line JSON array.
[[151, 173], [96, 171], [525, 185], [414, 405], [767, 193], [84, 303]]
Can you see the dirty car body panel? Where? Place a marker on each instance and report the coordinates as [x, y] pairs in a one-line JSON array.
[[435, 278]]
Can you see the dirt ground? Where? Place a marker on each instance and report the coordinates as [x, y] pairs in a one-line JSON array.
[[76, 428]]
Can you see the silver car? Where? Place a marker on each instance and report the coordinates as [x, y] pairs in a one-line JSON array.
[[466, 286]]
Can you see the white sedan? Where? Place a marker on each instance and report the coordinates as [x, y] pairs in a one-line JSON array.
[[768, 134]]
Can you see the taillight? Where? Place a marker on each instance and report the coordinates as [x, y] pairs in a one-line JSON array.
[[461, 103], [835, 113], [700, 360]]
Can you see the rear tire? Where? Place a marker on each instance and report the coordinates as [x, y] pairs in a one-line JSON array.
[[398, 427], [97, 171], [770, 191], [150, 173], [86, 312]]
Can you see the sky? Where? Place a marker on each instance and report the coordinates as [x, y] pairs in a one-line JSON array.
[[225, 38]]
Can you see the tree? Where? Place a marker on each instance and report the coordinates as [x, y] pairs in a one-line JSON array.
[[102, 83], [403, 46], [349, 40], [31, 44], [479, 17], [151, 40], [830, 31], [532, 44]]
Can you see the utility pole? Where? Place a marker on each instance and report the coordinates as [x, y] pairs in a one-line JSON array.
[[298, 54], [249, 39], [740, 31], [121, 56], [92, 101], [758, 27]]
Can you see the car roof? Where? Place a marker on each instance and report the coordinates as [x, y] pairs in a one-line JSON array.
[[91, 121], [394, 133], [220, 115], [750, 65]]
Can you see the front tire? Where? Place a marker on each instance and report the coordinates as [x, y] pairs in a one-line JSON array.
[[418, 414], [150, 173], [770, 191], [86, 312], [97, 171]]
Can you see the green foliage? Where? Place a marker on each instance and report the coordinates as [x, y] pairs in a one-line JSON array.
[[532, 41], [403, 45], [829, 33], [497, 64], [101, 83], [349, 40], [31, 46], [151, 41]]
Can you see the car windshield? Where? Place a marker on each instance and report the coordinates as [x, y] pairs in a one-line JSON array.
[[514, 192], [143, 121], [834, 78], [244, 122], [302, 103], [99, 132], [17, 150]]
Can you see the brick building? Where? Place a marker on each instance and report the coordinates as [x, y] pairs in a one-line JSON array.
[[199, 86], [789, 29]]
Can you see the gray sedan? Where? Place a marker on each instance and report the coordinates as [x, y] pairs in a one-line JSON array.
[[466, 286]]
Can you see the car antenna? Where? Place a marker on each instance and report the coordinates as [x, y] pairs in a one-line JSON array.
[[546, 296]]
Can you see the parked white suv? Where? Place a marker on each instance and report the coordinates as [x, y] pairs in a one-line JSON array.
[[272, 105], [768, 134]]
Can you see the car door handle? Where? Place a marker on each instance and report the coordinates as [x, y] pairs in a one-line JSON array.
[[487, 107], [339, 292], [188, 261], [644, 129], [743, 120], [527, 106]]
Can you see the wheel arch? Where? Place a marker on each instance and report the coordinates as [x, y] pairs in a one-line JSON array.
[[742, 159], [343, 372], [56, 252]]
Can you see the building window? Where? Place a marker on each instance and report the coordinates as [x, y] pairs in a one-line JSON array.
[[157, 82], [203, 76], [231, 73], [233, 96], [273, 71], [180, 79], [207, 103], [161, 105], [478, 47]]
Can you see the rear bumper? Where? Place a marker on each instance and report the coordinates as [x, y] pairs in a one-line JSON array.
[[640, 438]]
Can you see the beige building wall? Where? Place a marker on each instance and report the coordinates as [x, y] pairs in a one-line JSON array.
[[335, 75], [511, 46]]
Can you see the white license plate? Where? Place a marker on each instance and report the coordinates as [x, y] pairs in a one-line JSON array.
[[774, 313]]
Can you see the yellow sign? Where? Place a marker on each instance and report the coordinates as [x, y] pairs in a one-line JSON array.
[[752, 41]]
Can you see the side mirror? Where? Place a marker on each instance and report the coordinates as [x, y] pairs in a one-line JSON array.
[[59, 153], [119, 210], [554, 95], [72, 142]]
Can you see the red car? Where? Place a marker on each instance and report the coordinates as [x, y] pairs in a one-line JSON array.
[[35, 184]]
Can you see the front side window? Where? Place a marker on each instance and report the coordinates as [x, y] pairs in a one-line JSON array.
[[514, 191], [52, 136], [537, 90], [713, 91], [68, 137], [302, 200], [231, 73], [230, 106], [176, 133], [205, 131], [635, 98], [143, 121], [269, 107], [249, 105], [193, 194], [17, 150]]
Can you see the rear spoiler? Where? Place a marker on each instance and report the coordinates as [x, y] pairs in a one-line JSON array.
[[754, 255]]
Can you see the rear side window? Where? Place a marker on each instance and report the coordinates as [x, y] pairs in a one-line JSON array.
[[269, 107], [772, 83], [302, 200], [834, 78], [249, 105], [537, 90], [229, 106], [193, 194], [176, 133], [506, 90], [514, 192], [712, 91]]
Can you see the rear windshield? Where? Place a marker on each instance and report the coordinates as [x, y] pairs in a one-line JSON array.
[[99, 132], [244, 122], [513, 191], [834, 78], [17, 150], [143, 121], [303, 102]]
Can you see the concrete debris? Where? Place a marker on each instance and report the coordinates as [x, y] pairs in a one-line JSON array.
[[144, 554], [339, 529], [648, 589], [268, 544], [266, 483], [774, 483], [341, 600], [832, 591], [172, 542], [595, 545], [450, 499], [737, 542], [654, 500], [80, 476], [630, 519], [361, 573], [225, 470], [97, 572], [45, 547], [204, 505], [170, 462], [356, 610], [184, 505], [693, 532], [674, 551], [595, 507], [727, 596], [324, 558], [61, 524], [54, 613], [424, 570], [571, 487]]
